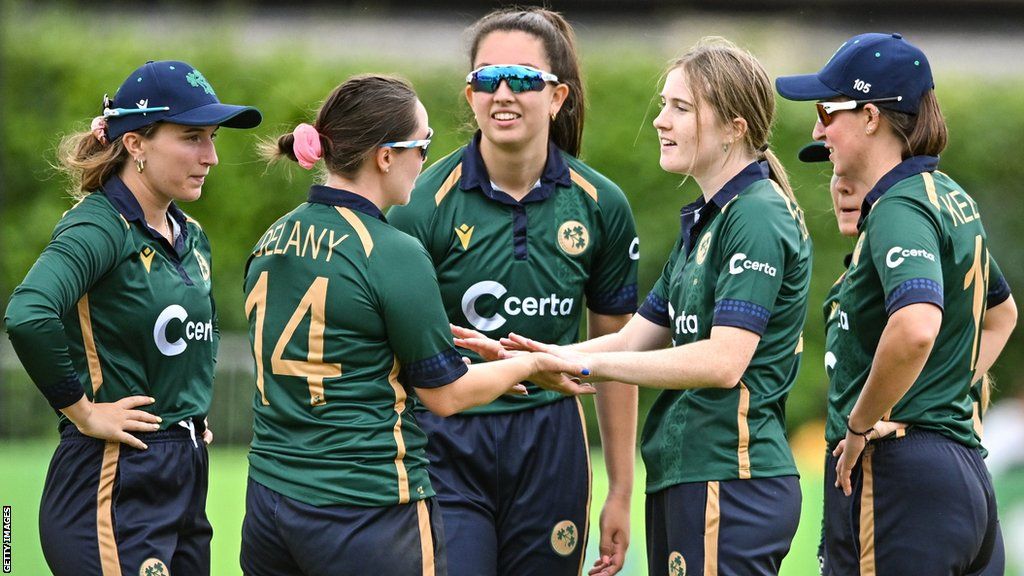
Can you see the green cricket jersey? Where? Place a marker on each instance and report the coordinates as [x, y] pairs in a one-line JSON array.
[[524, 266], [922, 241], [112, 307], [345, 319], [742, 260]]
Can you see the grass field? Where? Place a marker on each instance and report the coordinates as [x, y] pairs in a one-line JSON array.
[[25, 465]]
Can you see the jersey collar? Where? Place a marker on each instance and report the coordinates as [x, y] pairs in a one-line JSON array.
[[125, 202], [475, 177], [902, 171], [695, 215], [337, 197]]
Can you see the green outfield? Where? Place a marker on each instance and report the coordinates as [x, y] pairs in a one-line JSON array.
[[22, 481]]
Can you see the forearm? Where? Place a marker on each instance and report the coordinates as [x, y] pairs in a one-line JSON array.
[[999, 324], [902, 352], [716, 362], [480, 385], [37, 336], [616, 404]]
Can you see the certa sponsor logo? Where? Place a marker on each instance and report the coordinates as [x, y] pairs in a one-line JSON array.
[[683, 323], [739, 262], [190, 329], [896, 255], [550, 305]]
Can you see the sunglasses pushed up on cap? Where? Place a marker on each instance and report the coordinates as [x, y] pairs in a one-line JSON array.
[[827, 109], [518, 78]]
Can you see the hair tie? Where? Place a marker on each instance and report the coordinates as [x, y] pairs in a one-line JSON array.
[[764, 148], [99, 129], [306, 146]]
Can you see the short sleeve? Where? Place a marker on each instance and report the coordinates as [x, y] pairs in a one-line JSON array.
[[753, 264], [611, 288], [415, 318], [905, 249], [998, 288]]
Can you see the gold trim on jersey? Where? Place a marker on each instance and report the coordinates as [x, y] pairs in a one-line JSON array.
[[426, 538], [867, 515], [799, 344], [582, 182], [448, 184], [400, 396], [743, 431], [979, 428], [193, 220], [359, 227], [91, 356], [712, 519], [929, 188], [590, 480], [110, 562]]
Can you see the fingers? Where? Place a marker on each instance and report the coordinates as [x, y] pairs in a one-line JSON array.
[[141, 416], [461, 332], [839, 449], [524, 343], [518, 390], [136, 426], [208, 436], [134, 402], [126, 438]]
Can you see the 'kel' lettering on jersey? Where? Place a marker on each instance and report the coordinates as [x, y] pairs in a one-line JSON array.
[[137, 311], [742, 260], [345, 320], [921, 241], [529, 266]]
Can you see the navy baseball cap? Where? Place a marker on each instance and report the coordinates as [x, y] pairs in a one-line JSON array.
[[814, 152], [868, 66], [174, 92]]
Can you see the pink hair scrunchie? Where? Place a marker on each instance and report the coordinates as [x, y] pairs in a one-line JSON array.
[[306, 145], [99, 129]]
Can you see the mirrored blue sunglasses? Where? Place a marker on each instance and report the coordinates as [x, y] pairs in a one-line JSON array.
[[423, 145], [518, 78]]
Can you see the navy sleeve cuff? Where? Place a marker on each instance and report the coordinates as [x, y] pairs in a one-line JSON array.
[[914, 291], [741, 314], [621, 301], [434, 372], [63, 393], [655, 309], [998, 292]]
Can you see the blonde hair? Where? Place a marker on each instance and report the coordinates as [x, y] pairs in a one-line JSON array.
[[88, 163], [734, 84]]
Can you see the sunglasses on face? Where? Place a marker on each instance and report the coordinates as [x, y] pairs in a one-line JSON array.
[[518, 78], [423, 145], [827, 109]]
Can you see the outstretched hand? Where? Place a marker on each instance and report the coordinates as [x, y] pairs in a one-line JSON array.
[[488, 348]]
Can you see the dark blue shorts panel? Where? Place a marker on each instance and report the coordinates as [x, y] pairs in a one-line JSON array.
[[108, 508], [514, 489], [921, 504], [741, 527], [285, 537]]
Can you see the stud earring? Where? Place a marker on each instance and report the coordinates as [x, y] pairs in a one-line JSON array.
[[140, 165], [725, 147], [553, 115]]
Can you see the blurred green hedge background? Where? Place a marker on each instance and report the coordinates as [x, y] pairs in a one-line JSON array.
[[56, 68]]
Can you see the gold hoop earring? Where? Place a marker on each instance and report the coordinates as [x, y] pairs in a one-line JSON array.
[[140, 165], [553, 115]]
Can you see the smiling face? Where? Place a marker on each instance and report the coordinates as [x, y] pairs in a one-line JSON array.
[[845, 139], [506, 119], [689, 145], [847, 198], [177, 160]]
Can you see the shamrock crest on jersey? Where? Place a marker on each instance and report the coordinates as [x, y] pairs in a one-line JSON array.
[[573, 237]]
